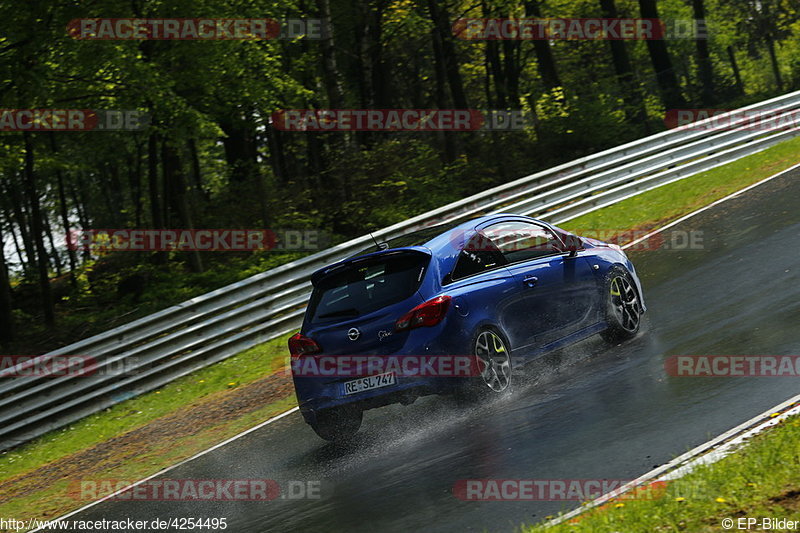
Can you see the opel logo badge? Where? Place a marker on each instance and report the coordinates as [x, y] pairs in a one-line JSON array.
[[353, 334]]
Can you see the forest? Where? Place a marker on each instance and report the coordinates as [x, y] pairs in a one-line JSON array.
[[210, 155]]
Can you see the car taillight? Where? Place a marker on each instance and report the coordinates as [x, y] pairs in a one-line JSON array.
[[429, 313], [300, 345]]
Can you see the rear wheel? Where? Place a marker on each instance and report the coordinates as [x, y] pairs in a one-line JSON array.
[[493, 359], [623, 308], [337, 424]]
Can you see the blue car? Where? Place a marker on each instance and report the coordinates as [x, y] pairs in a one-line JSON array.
[[481, 290]]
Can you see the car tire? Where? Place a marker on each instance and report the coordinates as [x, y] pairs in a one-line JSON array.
[[492, 359], [623, 307], [338, 424]]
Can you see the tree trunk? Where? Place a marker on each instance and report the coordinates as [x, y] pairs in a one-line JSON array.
[[83, 217], [133, 162], [315, 161], [240, 147], [331, 77], [735, 66], [362, 66], [545, 63], [176, 185], [138, 192], [494, 71], [153, 184], [22, 224], [111, 213], [449, 151], [494, 68], [380, 76], [38, 238], [22, 261], [53, 251], [512, 71], [197, 175], [154, 190], [80, 197], [776, 69], [64, 214], [706, 72], [662, 64], [635, 112], [443, 34], [117, 197], [369, 50], [6, 316], [277, 158], [80, 209]]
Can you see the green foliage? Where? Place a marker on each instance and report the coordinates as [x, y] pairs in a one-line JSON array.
[[210, 104], [397, 179]]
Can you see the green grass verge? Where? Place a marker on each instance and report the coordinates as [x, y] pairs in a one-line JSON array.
[[236, 371], [758, 481], [656, 206], [57, 500]]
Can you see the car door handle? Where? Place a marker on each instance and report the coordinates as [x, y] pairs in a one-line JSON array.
[[530, 281]]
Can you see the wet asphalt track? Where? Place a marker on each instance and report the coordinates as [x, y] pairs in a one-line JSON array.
[[596, 412]]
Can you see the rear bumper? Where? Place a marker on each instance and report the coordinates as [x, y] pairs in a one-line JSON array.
[[315, 394]]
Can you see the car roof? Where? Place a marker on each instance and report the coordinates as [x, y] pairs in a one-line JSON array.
[[443, 241]]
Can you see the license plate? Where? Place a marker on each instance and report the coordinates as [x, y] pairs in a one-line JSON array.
[[369, 383]]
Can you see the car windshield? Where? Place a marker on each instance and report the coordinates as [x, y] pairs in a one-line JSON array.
[[368, 285]]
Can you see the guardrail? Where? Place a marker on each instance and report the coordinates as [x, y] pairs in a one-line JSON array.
[[161, 347]]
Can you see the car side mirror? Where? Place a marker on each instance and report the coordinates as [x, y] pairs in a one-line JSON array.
[[572, 244]]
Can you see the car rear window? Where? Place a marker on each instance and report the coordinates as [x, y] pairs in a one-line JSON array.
[[368, 285]]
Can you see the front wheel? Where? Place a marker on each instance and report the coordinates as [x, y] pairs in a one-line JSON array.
[[337, 424], [623, 308]]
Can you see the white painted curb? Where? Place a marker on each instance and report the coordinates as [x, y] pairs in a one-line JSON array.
[[707, 453]]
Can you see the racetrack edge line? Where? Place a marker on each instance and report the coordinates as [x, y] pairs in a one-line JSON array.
[[709, 206], [176, 465], [293, 409], [707, 453], [727, 441]]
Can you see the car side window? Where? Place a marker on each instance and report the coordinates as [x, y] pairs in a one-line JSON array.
[[479, 254], [522, 241]]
